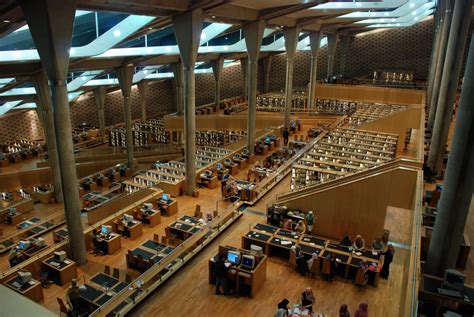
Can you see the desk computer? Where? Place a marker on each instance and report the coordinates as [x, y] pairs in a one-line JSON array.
[[165, 199], [248, 261], [24, 245], [233, 257], [127, 220], [208, 173], [219, 166], [147, 208], [105, 230], [453, 283]]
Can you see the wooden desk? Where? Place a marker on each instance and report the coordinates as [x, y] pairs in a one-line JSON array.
[[242, 163], [253, 278], [32, 251], [168, 209], [60, 235], [42, 197], [233, 169], [210, 182], [152, 218], [61, 273], [33, 289], [136, 230], [15, 219], [113, 243]]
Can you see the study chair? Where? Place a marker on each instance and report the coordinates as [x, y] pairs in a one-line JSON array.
[[131, 259], [315, 267], [128, 278], [197, 212], [107, 270], [62, 307], [156, 237], [116, 273], [141, 263], [164, 240], [361, 278], [292, 258], [326, 270]]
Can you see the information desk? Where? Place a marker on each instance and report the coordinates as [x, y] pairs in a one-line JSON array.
[[278, 241], [60, 272], [167, 208], [33, 289], [241, 278]]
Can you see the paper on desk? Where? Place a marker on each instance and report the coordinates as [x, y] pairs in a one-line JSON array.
[[285, 242], [227, 264]]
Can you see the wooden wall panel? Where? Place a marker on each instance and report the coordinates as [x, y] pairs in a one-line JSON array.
[[358, 207]]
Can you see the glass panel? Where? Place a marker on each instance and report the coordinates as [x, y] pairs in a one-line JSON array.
[[226, 39], [108, 20]]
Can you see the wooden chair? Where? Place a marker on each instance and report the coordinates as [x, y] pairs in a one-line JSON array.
[[326, 270], [164, 240], [292, 258], [315, 267], [107, 270], [131, 260], [156, 237], [214, 213], [141, 263], [168, 233], [128, 278], [197, 211], [116, 273], [360, 279], [62, 307]]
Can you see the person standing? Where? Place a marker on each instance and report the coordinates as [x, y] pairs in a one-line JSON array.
[[307, 299], [344, 311], [386, 262], [286, 136], [310, 221], [221, 275], [362, 311]]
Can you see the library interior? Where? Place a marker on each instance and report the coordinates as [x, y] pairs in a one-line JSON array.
[[288, 158]]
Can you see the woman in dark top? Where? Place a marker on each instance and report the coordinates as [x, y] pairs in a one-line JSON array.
[[344, 311], [307, 299], [386, 262]]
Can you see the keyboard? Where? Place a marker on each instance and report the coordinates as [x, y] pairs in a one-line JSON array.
[[448, 292]]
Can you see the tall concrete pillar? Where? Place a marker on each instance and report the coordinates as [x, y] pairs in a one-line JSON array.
[[253, 33], [53, 44], [345, 41], [448, 14], [187, 29], [439, 17], [45, 108], [332, 41], [458, 186], [217, 66], [244, 66], [449, 83], [267, 66], [178, 81], [291, 41], [99, 97], [143, 92], [314, 42], [125, 78]]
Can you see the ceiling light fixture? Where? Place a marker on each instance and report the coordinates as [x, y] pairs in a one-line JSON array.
[[6, 21], [117, 33]]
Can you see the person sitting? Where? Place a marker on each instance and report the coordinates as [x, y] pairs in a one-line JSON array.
[[282, 308], [307, 299], [346, 241], [359, 242], [300, 227], [344, 311], [377, 245], [288, 224], [209, 216], [14, 256]]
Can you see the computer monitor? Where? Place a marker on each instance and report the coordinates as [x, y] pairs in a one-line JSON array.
[[106, 229], [256, 249], [165, 197], [208, 173], [147, 207], [219, 166], [11, 211], [24, 277], [23, 245], [228, 161], [245, 151], [233, 257], [237, 156], [60, 256], [454, 278], [248, 261], [39, 242], [127, 218], [267, 140]]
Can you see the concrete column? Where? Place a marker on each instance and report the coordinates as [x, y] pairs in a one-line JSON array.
[[143, 91], [217, 66], [449, 83], [332, 41], [178, 72], [314, 42], [439, 16], [99, 96], [244, 66], [345, 41], [44, 107], [458, 186], [187, 29], [125, 78], [53, 44], [291, 41], [440, 62], [267, 65], [253, 38]]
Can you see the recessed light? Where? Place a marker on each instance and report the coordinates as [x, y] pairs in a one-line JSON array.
[[83, 77], [412, 5], [225, 48], [414, 12], [386, 14], [6, 21], [72, 50], [213, 17], [117, 33], [203, 36], [168, 49], [150, 28], [416, 18], [358, 4], [372, 14], [393, 20], [398, 24], [382, 20]]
